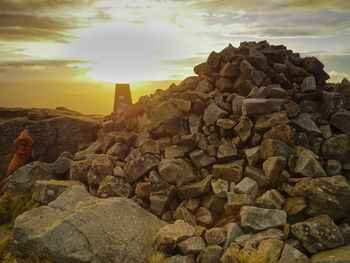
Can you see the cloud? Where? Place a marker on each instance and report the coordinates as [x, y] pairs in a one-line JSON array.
[[337, 77]]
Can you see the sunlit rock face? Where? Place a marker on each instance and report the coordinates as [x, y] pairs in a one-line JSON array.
[[255, 139]]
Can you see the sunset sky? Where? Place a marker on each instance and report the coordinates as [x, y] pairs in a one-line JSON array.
[[71, 52]]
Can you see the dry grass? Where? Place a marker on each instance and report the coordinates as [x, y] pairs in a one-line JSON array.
[[12, 205], [157, 257], [250, 255]]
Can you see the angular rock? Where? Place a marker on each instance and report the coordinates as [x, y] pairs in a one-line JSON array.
[[220, 187], [294, 205], [62, 165], [231, 172], [160, 197], [212, 113], [273, 168], [226, 152], [77, 213], [304, 123], [191, 245], [194, 190], [237, 105], [283, 133], [292, 255], [261, 218], [119, 149], [318, 233], [203, 216], [308, 166], [79, 171], [258, 107], [251, 73], [210, 254], [228, 257], [143, 189], [232, 231], [244, 128], [114, 187], [341, 121], [224, 84], [45, 191], [165, 112], [257, 175], [267, 121], [308, 85], [225, 123], [24, 178], [337, 147], [101, 167], [247, 186], [236, 201], [271, 148], [138, 167], [169, 235], [270, 199], [176, 171], [150, 146], [270, 249], [253, 156], [253, 240], [332, 102], [230, 70], [215, 236], [200, 159]]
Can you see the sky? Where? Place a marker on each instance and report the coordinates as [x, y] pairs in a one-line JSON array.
[[71, 52]]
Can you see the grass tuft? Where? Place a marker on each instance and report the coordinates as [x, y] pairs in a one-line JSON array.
[[157, 257], [250, 255]]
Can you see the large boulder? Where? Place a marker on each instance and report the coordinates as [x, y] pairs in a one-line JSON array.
[[25, 177], [57, 131], [77, 227]]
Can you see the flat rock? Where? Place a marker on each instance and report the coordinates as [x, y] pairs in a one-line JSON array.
[[261, 218], [83, 216], [260, 106]]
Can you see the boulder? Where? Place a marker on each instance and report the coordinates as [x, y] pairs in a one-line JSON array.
[[260, 218], [83, 216], [24, 178], [318, 234]]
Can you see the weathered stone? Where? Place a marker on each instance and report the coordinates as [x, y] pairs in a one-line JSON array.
[[215, 236], [267, 121], [226, 152], [332, 102], [330, 194], [200, 159], [138, 167], [247, 186], [271, 148], [224, 84], [194, 121], [194, 190], [337, 255], [270, 199], [191, 245], [101, 167], [176, 171], [308, 166], [204, 86], [225, 123], [212, 202], [292, 255], [119, 149], [231, 172], [165, 112], [253, 156], [232, 231], [237, 105], [23, 179], [337, 147], [210, 254], [244, 128], [236, 201], [203, 216], [333, 168], [77, 213], [341, 120], [304, 123], [182, 105], [294, 205], [283, 133], [212, 113], [253, 240], [45, 191], [251, 73], [318, 233], [273, 168], [169, 235], [62, 165], [176, 151], [261, 218], [257, 59], [181, 259], [220, 187], [113, 186], [270, 249], [257, 107], [143, 189], [150, 146], [257, 175], [160, 197], [292, 109], [308, 85], [79, 171], [230, 70]]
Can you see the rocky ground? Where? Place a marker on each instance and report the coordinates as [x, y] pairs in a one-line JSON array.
[[249, 161]]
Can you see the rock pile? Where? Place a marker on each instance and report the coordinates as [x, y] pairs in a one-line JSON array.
[[252, 153]]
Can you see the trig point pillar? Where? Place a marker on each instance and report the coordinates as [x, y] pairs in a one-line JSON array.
[[122, 97]]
